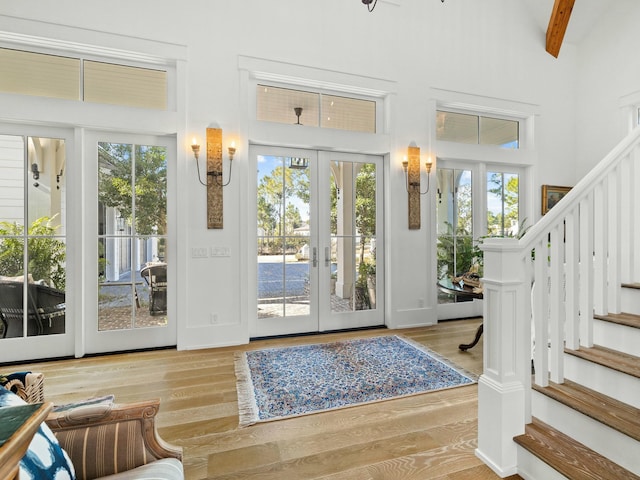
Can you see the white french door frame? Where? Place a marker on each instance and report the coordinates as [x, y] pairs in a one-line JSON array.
[[62, 344], [479, 201], [321, 317], [288, 324], [332, 320], [96, 341]]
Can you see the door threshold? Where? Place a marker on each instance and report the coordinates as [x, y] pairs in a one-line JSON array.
[[324, 332]]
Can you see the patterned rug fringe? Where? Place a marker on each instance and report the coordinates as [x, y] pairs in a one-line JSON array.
[[247, 406], [248, 409]]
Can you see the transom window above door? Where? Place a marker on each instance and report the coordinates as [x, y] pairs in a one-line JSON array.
[[477, 129], [315, 109]]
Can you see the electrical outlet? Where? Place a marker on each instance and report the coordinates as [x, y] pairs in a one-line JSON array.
[[214, 319]]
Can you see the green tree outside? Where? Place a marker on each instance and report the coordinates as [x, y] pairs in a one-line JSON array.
[[119, 182]]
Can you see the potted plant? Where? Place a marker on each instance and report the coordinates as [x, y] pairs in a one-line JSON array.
[[46, 253]]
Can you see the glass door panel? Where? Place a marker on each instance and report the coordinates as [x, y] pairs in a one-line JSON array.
[[353, 236], [32, 239], [132, 243], [503, 204], [351, 219], [317, 225], [286, 250], [456, 253]]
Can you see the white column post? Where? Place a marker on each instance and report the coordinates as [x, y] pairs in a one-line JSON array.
[[501, 388]]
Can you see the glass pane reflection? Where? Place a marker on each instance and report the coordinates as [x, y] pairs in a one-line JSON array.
[[32, 295], [353, 236], [132, 268]]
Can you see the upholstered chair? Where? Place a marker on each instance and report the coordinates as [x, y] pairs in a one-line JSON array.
[[103, 439]]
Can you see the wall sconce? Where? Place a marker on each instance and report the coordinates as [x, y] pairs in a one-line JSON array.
[[416, 185], [214, 172], [411, 168]]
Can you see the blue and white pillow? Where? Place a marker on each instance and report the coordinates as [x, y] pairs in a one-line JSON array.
[[45, 459]]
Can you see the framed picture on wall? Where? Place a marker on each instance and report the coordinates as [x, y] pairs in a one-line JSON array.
[[551, 194]]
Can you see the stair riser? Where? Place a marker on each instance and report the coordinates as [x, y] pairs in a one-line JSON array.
[[531, 467], [604, 380], [617, 337], [630, 300], [606, 441]]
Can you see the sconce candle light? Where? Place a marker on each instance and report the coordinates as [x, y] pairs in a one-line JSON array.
[[216, 174], [416, 184]]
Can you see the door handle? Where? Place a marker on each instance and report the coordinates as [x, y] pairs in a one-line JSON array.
[[315, 257], [327, 257]]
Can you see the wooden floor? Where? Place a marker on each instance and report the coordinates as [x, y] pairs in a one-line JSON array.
[[430, 436]]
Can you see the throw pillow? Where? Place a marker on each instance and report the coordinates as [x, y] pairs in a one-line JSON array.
[[45, 459]]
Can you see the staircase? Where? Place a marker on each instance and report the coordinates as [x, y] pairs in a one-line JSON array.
[[566, 299], [595, 416]]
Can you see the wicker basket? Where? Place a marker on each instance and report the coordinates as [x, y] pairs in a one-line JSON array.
[[29, 386]]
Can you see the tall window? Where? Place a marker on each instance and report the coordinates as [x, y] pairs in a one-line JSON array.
[[462, 222], [32, 236], [455, 222], [502, 204], [132, 229]]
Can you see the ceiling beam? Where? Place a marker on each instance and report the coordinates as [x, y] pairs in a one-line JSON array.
[[558, 25]]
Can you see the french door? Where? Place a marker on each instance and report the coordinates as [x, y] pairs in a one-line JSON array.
[[474, 200], [130, 242], [319, 244], [36, 237]]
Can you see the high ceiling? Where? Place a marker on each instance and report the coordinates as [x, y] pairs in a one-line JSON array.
[[584, 16]]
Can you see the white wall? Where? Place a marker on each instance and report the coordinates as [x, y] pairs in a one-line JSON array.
[[607, 72], [490, 51]]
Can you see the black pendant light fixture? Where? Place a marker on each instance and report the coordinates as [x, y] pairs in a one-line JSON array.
[[371, 4]]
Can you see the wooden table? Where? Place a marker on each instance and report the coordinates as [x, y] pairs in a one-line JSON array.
[[449, 286], [18, 425]]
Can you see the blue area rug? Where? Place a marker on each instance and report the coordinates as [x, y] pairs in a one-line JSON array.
[[277, 383]]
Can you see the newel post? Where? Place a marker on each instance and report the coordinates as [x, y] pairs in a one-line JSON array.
[[501, 387]]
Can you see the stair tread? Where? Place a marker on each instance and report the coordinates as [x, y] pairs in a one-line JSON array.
[[626, 319], [622, 362], [618, 415], [568, 456]]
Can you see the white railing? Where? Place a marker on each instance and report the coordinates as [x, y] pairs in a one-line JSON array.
[[541, 293]]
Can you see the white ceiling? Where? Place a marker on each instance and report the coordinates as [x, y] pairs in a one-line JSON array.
[[584, 16]]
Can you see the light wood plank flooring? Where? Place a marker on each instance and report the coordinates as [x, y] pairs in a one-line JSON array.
[[431, 436]]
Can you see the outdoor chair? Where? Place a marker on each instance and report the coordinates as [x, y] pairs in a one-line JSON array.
[[46, 308], [155, 274]]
